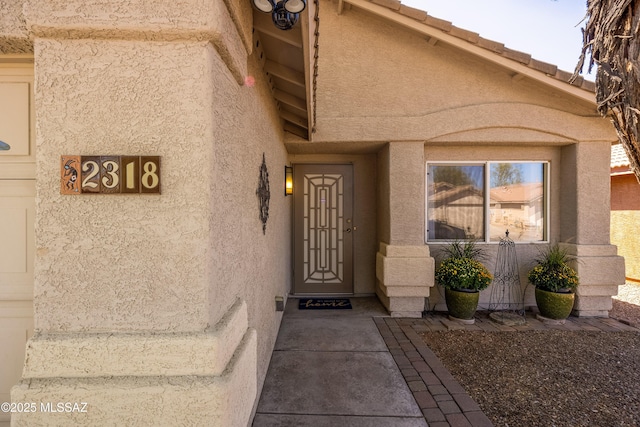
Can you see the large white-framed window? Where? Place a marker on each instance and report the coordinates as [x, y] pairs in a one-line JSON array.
[[482, 200]]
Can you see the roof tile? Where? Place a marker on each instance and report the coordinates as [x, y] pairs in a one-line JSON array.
[[491, 45], [565, 76], [516, 55], [417, 14], [545, 67], [469, 36], [441, 24], [578, 81], [618, 156], [391, 4], [589, 85]]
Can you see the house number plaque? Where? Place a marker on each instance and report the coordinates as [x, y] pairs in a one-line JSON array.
[[109, 174]]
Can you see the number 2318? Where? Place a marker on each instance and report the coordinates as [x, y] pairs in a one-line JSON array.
[[110, 174]]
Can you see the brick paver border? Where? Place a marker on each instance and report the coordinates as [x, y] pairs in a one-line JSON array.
[[441, 398]]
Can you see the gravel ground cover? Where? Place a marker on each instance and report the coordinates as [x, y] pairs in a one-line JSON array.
[[551, 378]]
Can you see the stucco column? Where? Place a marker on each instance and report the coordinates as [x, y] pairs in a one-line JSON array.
[[404, 267], [585, 231], [125, 333]]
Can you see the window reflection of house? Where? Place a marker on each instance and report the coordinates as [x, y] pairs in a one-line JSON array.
[[460, 208], [518, 207], [456, 211]]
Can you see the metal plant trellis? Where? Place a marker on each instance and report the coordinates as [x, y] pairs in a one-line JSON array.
[[506, 292]]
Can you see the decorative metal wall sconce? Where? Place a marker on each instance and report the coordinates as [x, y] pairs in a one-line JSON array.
[[263, 194], [288, 180], [284, 13]]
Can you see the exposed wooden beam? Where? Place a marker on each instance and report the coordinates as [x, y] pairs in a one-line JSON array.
[[285, 73], [296, 120], [292, 101], [292, 37], [301, 113], [302, 133]]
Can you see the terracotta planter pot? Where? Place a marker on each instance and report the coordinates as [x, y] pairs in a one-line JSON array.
[[461, 304], [554, 305]]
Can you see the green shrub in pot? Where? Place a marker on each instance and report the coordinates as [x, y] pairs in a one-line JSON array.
[[555, 283], [463, 276]]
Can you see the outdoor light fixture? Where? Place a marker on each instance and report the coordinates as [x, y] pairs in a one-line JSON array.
[[284, 13], [288, 180], [294, 6]]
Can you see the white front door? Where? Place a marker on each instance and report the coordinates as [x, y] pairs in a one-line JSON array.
[[17, 219]]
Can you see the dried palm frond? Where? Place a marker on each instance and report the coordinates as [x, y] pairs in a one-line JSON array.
[[612, 40]]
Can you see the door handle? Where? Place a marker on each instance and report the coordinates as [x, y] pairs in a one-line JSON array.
[[348, 230]]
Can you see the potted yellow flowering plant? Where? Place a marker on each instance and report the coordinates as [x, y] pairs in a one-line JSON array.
[[462, 276], [555, 283]]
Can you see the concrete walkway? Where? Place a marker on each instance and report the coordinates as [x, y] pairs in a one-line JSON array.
[[358, 367]]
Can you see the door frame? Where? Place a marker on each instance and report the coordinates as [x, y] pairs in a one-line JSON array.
[[345, 228]]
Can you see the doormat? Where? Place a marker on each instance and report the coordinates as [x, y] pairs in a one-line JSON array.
[[324, 304]]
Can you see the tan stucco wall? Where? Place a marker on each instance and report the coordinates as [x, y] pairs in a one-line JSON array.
[[404, 267], [401, 193], [14, 37], [178, 100], [98, 265], [245, 263], [624, 234], [585, 186], [132, 81], [406, 198], [382, 83], [384, 191]]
